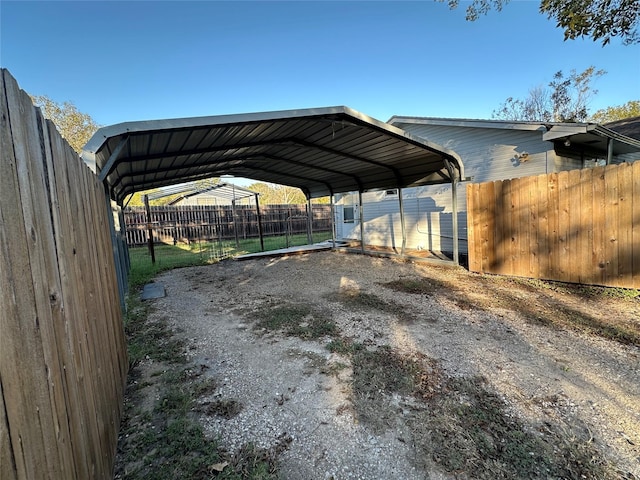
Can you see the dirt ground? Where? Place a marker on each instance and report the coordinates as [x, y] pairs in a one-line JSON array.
[[528, 347]]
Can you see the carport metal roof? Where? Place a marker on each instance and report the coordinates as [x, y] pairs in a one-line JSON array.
[[226, 191], [322, 151]]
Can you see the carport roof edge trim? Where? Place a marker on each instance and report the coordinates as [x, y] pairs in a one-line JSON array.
[[123, 130]]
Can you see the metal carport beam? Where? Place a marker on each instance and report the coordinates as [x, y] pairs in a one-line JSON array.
[[357, 161], [113, 159]]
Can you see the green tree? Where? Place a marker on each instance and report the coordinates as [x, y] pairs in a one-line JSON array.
[[565, 99], [137, 199], [271, 194], [602, 20], [612, 114], [74, 126]]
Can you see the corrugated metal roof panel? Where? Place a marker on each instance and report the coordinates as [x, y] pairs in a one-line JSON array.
[[321, 151]]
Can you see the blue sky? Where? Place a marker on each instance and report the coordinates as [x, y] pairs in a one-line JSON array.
[[125, 61]]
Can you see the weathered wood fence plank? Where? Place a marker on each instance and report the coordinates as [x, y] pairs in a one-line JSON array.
[[579, 226], [63, 359]]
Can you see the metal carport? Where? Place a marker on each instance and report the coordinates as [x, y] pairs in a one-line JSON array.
[[322, 151]]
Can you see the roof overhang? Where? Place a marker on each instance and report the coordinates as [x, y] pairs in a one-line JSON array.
[[322, 151], [591, 138], [586, 137]]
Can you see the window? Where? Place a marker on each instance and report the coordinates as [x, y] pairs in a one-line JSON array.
[[593, 162], [348, 214]]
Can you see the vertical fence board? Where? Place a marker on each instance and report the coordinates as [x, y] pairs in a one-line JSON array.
[[7, 466], [554, 225], [625, 225], [498, 221], [474, 245], [533, 227], [542, 195], [574, 229], [599, 218], [564, 225], [585, 268], [524, 215], [574, 226], [611, 224]]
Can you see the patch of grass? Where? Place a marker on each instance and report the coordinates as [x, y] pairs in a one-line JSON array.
[[424, 286], [297, 321], [364, 301], [147, 339], [167, 257], [587, 291], [344, 346], [360, 300]]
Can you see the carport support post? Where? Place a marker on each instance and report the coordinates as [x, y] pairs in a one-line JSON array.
[[149, 229], [333, 219], [235, 223], [361, 219], [402, 223], [454, 206], [309, 222], [259, 223]]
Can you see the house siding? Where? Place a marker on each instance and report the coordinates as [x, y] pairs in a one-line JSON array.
[[487, 154]]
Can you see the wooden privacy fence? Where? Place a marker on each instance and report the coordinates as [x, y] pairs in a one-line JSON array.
[[221, 222], [579, 226], [63, 360]]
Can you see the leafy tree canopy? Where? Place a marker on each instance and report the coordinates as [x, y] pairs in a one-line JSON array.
[[565, 99], [612, 114], [74, 126], [137, 199], [602, 20], [271, 194]]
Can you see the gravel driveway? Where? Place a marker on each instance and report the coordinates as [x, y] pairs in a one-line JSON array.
[[298, 391]]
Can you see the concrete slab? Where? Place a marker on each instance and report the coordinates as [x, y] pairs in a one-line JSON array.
[[327, 245], [152, 290]]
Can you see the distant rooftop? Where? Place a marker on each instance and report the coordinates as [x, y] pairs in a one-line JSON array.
[[629, 127]]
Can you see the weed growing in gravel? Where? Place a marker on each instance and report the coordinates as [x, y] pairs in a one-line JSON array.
[[469, 429], [534, 304], [344, 346], [296, 320], [222, 408], [416, 285], [460, 424], [364, 301]]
